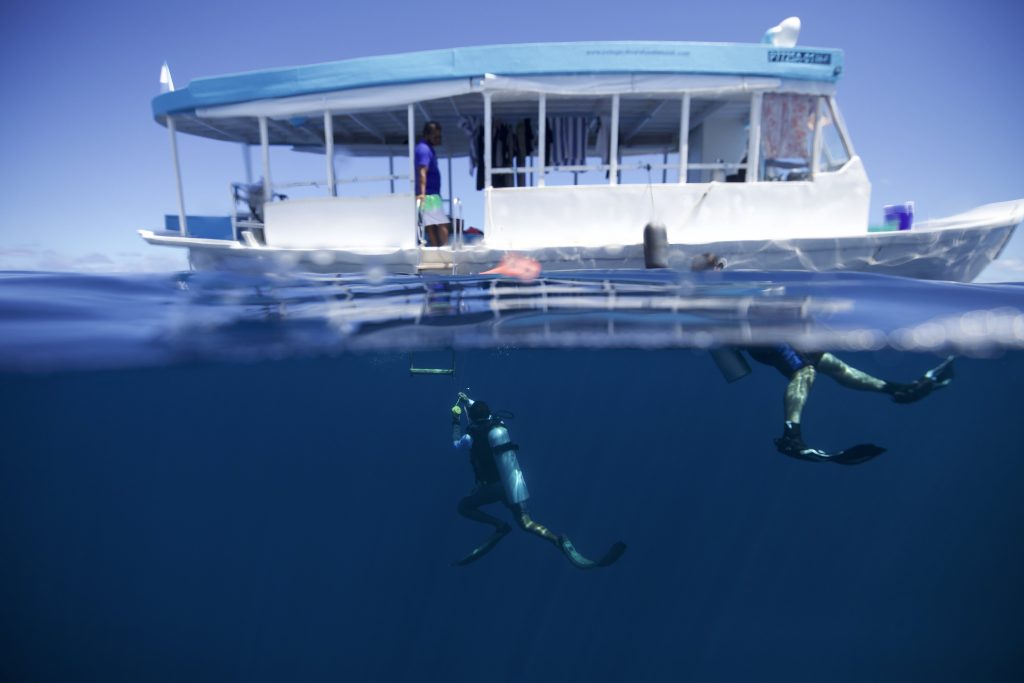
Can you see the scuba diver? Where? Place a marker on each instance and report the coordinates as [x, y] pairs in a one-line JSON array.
[[499, 480], [801, 367]]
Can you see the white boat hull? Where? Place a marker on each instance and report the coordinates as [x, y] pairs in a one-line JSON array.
[[957, 249]]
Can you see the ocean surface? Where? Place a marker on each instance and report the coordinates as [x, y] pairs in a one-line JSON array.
[[217, 477]]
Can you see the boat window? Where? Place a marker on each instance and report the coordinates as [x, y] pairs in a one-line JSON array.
[[834, 150], [648, 139], [514, 132], [718, 134], [295, 174], [787, 136], [578, 140], [576, 127]]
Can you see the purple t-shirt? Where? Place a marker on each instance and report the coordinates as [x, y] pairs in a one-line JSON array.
[[425, 156]]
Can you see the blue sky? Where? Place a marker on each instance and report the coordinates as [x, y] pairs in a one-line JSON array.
[[930, 93]]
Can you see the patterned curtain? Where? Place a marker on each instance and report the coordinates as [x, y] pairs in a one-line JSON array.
[[787, 125]]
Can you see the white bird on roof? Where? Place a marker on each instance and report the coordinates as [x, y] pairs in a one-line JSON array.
[[784, 34]]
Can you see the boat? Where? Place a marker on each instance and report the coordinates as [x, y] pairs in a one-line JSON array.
[[736, 149]]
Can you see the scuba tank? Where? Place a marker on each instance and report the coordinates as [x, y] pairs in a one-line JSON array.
[[503, 451]]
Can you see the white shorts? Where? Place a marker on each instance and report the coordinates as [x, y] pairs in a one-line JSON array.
[[432, 211]]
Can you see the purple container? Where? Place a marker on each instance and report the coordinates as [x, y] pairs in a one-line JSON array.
[[900, 215]]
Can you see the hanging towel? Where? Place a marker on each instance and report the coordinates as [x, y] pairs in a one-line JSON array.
[[568, 140]]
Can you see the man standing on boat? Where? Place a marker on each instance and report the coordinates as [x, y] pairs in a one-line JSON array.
[[499, 480], [428, 187]]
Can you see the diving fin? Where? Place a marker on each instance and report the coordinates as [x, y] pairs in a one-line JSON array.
[[581, 562], [485, 547], [794, 447], [855, 455], [936, 378]]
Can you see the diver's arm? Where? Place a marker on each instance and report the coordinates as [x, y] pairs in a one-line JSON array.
[[459, 439]]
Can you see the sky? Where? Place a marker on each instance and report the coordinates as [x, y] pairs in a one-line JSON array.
[[930, 94]]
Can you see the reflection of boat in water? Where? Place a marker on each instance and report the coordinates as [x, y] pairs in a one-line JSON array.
[[574, 308], [738, 149], [647, 309]]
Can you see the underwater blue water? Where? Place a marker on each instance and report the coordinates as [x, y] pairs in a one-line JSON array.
[[218, 477]]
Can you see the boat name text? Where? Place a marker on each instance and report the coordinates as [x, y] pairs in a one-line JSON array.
[[800, 57]]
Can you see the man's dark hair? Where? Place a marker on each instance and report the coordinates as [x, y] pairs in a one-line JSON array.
[[479, 411], [430, 126]]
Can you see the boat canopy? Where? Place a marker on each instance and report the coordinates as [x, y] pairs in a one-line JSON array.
[[368, 97]]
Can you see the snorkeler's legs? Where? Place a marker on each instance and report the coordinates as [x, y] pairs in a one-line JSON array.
[[849, 376], [797, 390], [791, 442]]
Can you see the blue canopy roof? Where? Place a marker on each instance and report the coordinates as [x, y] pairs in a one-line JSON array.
[[507, 60]]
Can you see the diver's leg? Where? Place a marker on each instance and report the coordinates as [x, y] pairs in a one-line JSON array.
[[797, 390], [527, 524], [792, 442], [849, 376], [469, 507]]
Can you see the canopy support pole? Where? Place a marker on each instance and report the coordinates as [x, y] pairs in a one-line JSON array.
[[268, 190], [410, 131], [613, 175], [247, 160], [451, 195], [816, 141], [487, 140], [754, 139], [173, 133], [542, 136], [684, 137], [332, 188]]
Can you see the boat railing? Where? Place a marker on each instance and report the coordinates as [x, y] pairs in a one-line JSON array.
[[458, 224], [341, 181], [722, 166]]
